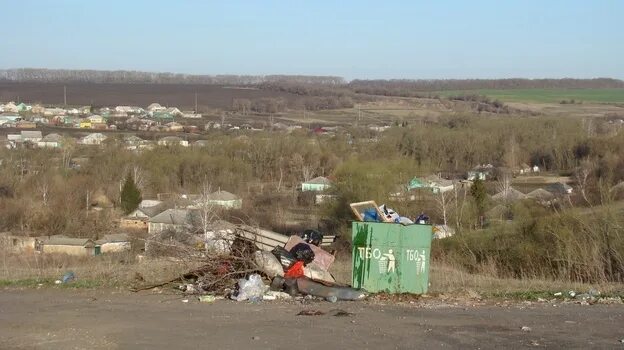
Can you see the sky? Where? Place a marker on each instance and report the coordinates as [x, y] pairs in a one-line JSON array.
[[355, 39]]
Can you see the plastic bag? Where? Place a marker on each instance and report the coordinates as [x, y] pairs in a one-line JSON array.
[[295, 271], [303, 252], [312, 237], [268, 263], [285, 258], [251, 289]]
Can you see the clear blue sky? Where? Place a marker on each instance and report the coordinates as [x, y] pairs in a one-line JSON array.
[[353, 39]]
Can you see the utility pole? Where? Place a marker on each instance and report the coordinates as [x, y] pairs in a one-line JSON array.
[[359, 116], [196, 103], [87, 212], [65, 95]]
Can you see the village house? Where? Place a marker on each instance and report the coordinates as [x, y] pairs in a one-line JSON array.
[[178, 220], [31, 136], [129, 109], [191, 115], [480, 172], [50, 112], [50, 141], [114, 243], [93, 139], [225, 199], [173, 111], [14, 140], [25, 124], [173, 126], [10, 107], [85, 123], [509, 195], [173, 141], [541, 196], [70, 246], [18, 244], [155, 107], [96, 119], [22, 107], [162, 116], [319, 183], [139, 218], [201, 143], [559, 188]]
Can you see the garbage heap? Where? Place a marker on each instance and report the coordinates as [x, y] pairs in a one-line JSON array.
[[300, 267]]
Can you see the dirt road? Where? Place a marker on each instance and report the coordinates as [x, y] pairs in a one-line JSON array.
[[83, 319]]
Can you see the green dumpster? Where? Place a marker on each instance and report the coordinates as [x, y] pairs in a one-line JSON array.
[[392, 258]]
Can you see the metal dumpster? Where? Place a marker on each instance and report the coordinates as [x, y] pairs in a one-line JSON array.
[[392, 258]]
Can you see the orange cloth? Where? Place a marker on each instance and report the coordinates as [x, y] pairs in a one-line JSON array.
[[295, 271]]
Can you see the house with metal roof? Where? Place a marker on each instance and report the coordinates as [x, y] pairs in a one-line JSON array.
[[50, 141], [178, 220], [173, 141], [114, 243], [70, 246], [225, 199], [31, 136], [93, 139], [319, 183]]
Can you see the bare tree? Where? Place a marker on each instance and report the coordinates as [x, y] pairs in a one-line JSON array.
[[44, 189], [581, 176], [444, 201]]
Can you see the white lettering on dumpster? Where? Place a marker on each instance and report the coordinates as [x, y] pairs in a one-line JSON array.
[[418, 256], [387, 261]]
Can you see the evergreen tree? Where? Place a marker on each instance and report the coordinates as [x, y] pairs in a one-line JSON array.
[[130, 195], [479, 195]]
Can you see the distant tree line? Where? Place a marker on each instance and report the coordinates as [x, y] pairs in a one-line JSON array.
[[101, 76], [400, 87]]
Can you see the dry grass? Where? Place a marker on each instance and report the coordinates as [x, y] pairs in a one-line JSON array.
[[446, 279], [124, 270], [111, 270]]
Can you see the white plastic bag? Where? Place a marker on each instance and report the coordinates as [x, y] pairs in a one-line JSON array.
[[251, 289]]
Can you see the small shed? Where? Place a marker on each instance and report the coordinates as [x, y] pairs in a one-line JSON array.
[[225, 199], [317, 184], [114, 243], [559, 188], [69, 246]]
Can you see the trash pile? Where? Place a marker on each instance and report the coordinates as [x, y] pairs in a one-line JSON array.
[[300, 267], [369, 211]]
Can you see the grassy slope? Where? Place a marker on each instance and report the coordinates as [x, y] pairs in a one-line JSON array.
[[546, 95]]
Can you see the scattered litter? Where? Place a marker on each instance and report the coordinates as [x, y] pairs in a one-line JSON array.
[[185, 300], [558, 294], [307, 286], [68, 277], [188, 288], [321, 257], [526, 329], [311, 313], [572, 293], [251, 289], [276, 295], [58, 282], [295, 271], [207, 298]]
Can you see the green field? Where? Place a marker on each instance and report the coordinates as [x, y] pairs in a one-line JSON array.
[[546, 95]]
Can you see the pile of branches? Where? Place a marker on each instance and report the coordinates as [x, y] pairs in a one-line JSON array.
[[217, 273]]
